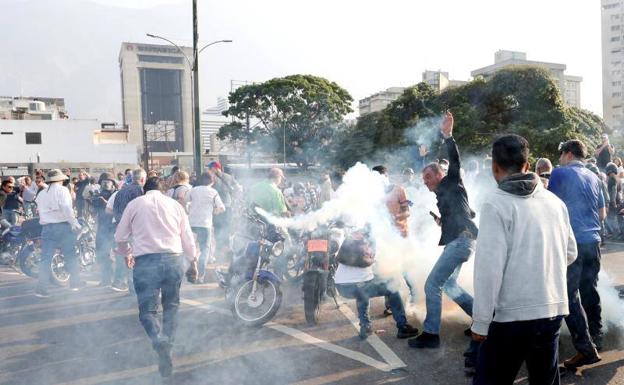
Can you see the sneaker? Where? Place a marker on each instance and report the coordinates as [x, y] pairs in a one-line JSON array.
[[41, 293], [365, 331], [165, 365], [581, 359], [121, 288], [407, 331], [425, 340], [597, 340]]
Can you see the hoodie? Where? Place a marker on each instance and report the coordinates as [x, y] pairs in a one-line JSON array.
[[524, 246]]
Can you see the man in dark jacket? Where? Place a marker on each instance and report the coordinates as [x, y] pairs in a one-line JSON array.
[[458, 238]]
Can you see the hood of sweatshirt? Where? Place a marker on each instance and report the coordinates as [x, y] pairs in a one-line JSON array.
[[520, 184]]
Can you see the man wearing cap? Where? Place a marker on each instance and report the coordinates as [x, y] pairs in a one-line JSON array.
[[56, 216], [267, 195], [604, 153]]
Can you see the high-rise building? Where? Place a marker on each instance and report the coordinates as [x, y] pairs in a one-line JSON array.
[[380, 100], [613, 63], [440, 80], [156, 91], [570, 86], [211, 121]]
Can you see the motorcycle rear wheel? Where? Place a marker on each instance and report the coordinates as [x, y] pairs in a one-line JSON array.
[[312, 293], [257, 309]]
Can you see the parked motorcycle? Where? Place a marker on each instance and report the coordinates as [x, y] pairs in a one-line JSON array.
[[254, 291], [30, 255], [12, 242], [320, 264]]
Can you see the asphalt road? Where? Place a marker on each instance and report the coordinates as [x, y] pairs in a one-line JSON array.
[[94, 337]]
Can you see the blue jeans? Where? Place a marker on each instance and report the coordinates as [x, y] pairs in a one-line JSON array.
[[103, 245], [11, 216], [509, 344], [58, 236], [203, 239], [156, 274], [363, 291], [443, 276]]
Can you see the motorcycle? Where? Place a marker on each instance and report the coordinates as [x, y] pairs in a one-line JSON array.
[[253, 291], [11, 244], [320, 266], [84, 247]]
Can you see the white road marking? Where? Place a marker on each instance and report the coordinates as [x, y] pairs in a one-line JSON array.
[[384, 351], [307, 338]]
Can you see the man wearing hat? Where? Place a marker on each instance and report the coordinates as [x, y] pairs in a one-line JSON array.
[[56, 216]]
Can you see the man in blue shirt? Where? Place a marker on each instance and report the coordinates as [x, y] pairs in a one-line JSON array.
[[579, 189]]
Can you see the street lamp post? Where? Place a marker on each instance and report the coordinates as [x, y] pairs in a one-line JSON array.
[[194, 67]]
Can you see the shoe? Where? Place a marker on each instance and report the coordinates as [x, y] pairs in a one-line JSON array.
[[424, 340], [387, 312], [597, 340], [121, 288], [365, 331], [407, 331], [80, 285], [41, 293], [581, 359], [165, 366]]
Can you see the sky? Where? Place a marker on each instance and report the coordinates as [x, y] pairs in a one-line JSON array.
[[70, 48]]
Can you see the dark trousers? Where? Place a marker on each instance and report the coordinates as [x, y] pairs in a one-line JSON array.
[[584, 301], [58, 236], [103, 246], [156, 274], [509, 344]]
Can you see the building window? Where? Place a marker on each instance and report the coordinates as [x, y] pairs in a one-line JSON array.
[[617, 50], [610, 6], [6, 133], [615, 17], [161, 59], [615, 38], [33, 138], [615, 28]]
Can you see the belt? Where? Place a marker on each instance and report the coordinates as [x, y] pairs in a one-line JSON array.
[[159, 254]]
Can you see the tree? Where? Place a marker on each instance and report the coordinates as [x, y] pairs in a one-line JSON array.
[[303, 110], [523, 100]]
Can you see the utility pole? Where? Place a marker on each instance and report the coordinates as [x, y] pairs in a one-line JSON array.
[[197, 160]]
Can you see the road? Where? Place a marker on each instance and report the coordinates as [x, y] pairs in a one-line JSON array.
[[93, 337]]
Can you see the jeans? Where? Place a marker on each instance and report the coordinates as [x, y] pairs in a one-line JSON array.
[[11, 216], [103, 246], [509, 344], [203, 239], [584, 320], [156, 274], [123, 275], [443, 276], [363, 291], [58, 236]]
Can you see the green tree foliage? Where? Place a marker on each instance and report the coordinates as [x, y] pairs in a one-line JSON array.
[[306, 108], [523, 100]]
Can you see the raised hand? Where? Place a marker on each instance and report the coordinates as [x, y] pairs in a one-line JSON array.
[[447, 125]]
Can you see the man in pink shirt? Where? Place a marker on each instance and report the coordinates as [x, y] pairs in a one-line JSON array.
[[161, 237]]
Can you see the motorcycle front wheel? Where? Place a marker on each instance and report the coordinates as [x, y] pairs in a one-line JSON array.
[[256, 308], [28, 260]]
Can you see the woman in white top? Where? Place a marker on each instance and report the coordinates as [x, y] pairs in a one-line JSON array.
[[203, 201]]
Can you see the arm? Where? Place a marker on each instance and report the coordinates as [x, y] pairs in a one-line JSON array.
[[67, 207], [404, 203], [219, 207], [602, 209], [490, 260], [451, 147], [571, 251], [186, 235], [124, 228]]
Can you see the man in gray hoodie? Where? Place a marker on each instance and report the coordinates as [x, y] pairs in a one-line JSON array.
[[524, 247]]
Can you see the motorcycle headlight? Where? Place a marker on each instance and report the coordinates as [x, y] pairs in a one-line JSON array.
[[277, 249]]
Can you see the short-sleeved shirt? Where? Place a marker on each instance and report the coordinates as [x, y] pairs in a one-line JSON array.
[[266, 195], [202, 201], [396, 201], [580, 190]]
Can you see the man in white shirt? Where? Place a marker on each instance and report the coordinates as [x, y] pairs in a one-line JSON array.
[[203, 201], [161, 240], [524, 247], [56, 215]]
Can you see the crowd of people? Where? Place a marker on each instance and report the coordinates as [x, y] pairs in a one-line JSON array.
[[536, 247]]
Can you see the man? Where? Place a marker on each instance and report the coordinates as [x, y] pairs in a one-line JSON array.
[[28, 191], [161, 237], [5, 190], [12, 201], [580, 190], [105, 228], [56, 216], [79, 187], [130, 191], [228, 190], [613, 201], [267, 195], [604, 153], [543, 168], [458, 238], [524, 246]]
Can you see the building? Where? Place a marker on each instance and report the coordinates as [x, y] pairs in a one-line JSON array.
[[65, 143], [32, 108], [212, 120], [612, 63], [380, 100], [570, 86], [156, 91], [440, 80]]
